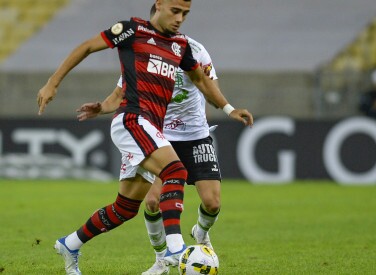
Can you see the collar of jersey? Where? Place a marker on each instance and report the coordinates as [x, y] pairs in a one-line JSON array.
[[160, 33]]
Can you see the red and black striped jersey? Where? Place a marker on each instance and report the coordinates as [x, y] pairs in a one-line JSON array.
[[149, 60]]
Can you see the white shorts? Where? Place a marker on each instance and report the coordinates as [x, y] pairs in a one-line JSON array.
[[136, 138]]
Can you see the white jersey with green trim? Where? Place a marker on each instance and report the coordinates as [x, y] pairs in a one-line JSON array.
[[186, 116]]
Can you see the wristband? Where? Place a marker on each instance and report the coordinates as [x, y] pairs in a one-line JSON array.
[[228, 109]]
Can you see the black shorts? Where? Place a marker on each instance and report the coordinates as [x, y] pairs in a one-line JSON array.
[[199, 158]]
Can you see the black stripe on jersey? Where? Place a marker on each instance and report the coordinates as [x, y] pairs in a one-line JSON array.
[[150, 115], [129, 75], [154, 98], [169, 83]]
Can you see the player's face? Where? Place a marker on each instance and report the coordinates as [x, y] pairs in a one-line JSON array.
[[171, 14]]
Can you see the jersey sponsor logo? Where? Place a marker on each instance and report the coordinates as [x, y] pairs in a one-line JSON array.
[[122, 36], [179, 98], [175, 123], [179, 82], [157, 66], [204, 153], [143, 29], [117, 28], [176, 48]]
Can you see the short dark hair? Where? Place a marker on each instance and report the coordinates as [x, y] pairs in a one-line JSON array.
[[153, 10]]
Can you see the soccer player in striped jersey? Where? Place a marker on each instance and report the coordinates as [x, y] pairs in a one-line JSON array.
[[186, 127], [150, 53]]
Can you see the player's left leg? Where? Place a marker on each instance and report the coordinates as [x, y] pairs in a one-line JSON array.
[[126, 206], [208, 211]]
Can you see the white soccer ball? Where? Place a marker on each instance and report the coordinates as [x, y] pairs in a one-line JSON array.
[[198, 259]]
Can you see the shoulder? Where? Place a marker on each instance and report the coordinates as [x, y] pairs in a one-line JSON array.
[[139, 20], [180, 37], [198, 50], [195, 44]]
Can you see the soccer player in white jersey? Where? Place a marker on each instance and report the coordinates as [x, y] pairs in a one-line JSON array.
[[186, 127]]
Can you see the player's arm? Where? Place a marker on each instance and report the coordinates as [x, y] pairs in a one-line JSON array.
[[109, 105], [49, 90], [214, 95], [207, 100]]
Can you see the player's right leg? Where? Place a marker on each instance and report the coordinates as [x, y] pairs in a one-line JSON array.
[[154, 225], [154, 154], [173, 175]]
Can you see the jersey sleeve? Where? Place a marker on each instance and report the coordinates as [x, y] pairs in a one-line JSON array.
[[188, 63], [119, 34], [206, 62], [120, 82]]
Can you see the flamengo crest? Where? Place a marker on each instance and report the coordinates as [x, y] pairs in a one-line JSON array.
[[176, 49]]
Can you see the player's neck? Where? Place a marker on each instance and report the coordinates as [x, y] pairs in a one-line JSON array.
[[158, 27]]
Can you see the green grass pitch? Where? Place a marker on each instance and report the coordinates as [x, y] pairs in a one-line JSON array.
[[299, 228]]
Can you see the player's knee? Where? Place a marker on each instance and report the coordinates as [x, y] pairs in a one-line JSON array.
[[152, 203]]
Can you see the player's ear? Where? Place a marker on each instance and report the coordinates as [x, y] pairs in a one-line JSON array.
[[158, 4]]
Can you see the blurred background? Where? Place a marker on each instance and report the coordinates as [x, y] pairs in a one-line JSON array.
[[304, 68]]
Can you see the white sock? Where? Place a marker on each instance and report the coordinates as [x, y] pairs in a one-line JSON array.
[[175, 242], [157, 235], [160, 255], [73, 242], [205, 220]]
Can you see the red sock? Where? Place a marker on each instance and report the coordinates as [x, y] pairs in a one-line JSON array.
[[173, 177], [109, 217]]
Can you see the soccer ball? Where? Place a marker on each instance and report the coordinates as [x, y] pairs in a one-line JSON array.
[[198, 259]]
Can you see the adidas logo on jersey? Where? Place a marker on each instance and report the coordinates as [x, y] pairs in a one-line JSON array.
[[151, 41], [156, 66]]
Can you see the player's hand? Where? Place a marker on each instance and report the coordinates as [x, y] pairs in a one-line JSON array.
[[242, 115], [45, 96], [89, 110]]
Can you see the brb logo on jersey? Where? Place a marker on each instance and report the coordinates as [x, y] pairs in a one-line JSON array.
[[157, 66]]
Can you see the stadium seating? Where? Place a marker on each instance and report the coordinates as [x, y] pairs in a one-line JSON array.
[[20, 19], [359, 54], [267, 53], [345, 76]]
